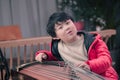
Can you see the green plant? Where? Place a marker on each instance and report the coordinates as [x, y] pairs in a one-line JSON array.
[[92, 9]]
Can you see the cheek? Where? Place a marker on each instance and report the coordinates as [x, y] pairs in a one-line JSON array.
[[74, 27], [59, 34]]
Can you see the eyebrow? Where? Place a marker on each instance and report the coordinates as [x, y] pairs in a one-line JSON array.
[[59, 23]]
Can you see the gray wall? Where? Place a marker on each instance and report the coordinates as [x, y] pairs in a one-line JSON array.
[[30, 15]]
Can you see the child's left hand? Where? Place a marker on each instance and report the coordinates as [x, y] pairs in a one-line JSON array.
[[83, 65]]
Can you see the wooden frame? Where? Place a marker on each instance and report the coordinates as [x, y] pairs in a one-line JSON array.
[[105, 34]]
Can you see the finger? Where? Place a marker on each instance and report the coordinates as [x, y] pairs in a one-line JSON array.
[[38, 58], [44, 56], [86, 67], [80, 65]]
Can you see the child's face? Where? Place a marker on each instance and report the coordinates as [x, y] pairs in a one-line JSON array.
[[66, 31]]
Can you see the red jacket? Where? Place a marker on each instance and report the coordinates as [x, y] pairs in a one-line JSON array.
[[99, 58]]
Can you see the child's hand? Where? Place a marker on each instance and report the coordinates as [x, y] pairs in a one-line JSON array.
[[40, 57], [83, 65]]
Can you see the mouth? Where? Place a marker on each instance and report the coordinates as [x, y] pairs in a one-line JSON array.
[[69, 32]]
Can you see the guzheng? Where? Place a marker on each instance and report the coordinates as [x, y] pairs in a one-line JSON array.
[[56, 70]]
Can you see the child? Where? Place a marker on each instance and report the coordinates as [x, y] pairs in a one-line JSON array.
[[80, 48]]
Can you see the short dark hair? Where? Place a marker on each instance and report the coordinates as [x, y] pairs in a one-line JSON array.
[[54, 19]]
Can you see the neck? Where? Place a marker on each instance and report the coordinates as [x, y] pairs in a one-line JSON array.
[[73, 39]]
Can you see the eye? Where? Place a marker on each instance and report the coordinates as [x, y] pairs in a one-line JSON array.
[[67, 22], [59, 27]]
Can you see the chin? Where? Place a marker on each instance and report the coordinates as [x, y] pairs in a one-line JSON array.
[[71, 37]]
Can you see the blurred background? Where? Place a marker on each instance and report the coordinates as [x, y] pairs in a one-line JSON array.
[[32, 15]]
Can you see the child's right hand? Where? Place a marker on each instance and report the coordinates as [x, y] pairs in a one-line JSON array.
[[40, 57]]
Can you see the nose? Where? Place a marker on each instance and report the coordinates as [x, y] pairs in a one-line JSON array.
[[66, 27]]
